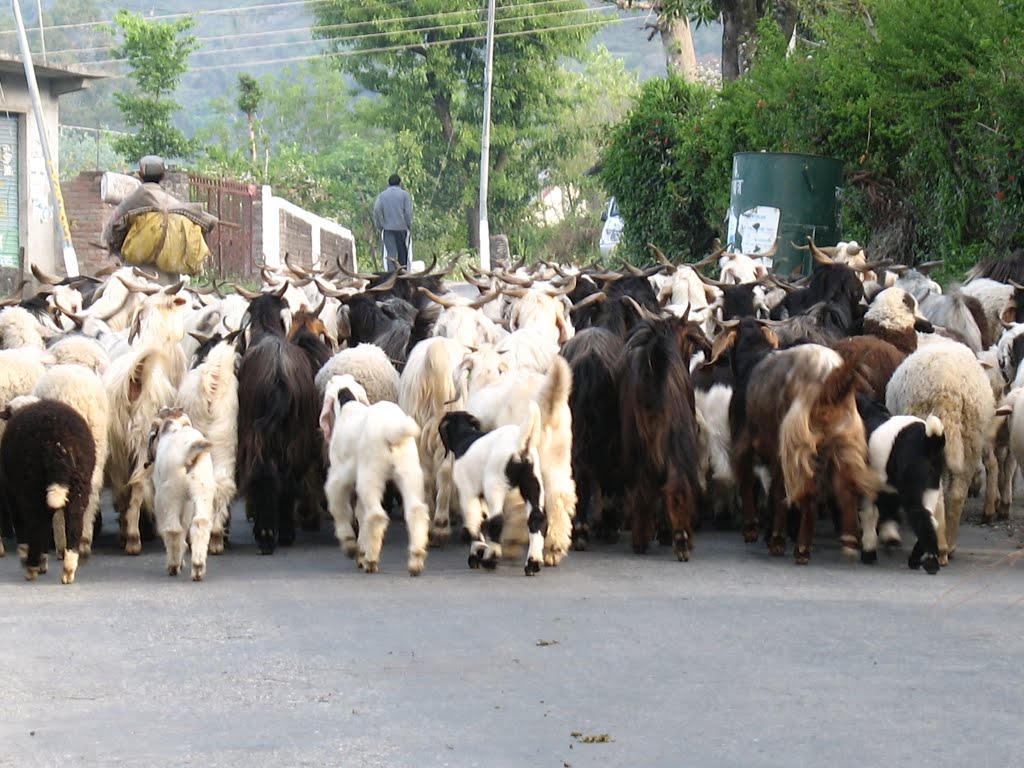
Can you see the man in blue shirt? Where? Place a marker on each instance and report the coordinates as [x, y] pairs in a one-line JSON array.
[[392, 213]]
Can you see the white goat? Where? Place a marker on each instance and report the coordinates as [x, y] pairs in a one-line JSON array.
[[183, 488], [209, 395], [369, 445]]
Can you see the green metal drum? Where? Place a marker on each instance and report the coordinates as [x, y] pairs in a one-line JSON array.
[[786, 195]]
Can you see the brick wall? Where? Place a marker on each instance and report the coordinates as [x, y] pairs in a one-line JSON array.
[[296, 240], [335, 250], [87, 213]]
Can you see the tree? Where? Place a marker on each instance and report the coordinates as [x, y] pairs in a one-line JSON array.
[[250, 95], [672, 25], [427, 68], [157, 53]]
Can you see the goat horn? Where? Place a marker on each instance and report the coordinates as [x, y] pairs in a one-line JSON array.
[[279, 293], [635, 271], [151, 276], [245, 292], [709, 281], [516, 292], [595, 298], [199, 337], [149, 290], [485, 299], [926, 267], [328, 290], [298, 270], [473, 281], [173, 289], [386, 286], [44, 278], [819, 255], [514, 279], [446, 303], [565, 289], [410, 275], [107, 270], [357, 275], [661, 256], [643, 312]]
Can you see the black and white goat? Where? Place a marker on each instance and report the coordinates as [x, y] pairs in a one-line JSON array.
[[907, 455], [488, 467], [46, 459]]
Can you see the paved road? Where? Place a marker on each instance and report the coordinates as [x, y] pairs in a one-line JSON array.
[[732, 659]]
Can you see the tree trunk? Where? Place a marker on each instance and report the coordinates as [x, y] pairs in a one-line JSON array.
[[473, 225], [739, 22], [680, 56]]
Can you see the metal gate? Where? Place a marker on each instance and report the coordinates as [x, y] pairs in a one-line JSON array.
[[10, 232], [231, 240]]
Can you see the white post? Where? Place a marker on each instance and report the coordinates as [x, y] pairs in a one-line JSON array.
[[56, 199], [485, 142]]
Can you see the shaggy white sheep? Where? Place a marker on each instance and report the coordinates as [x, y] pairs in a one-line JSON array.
[[369, 365]]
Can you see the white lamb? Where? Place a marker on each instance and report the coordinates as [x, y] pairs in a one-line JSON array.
[[183, 489], [369, 445]]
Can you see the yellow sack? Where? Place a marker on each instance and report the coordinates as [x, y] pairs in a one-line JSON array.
[[171, 241]]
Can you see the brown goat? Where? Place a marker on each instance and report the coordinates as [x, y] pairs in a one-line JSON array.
[[875, 361]]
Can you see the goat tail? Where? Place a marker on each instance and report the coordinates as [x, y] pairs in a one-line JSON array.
[[554, 392], [933, 426], [196, 450], [530, 429], [57, 496], [838, 385], [798, 447], [401, 431]]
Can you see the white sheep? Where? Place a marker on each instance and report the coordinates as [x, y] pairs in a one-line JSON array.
[[369, 365], [945, 379], [370, 445]]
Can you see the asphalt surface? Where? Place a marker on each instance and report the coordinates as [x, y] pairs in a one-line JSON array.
[[612, 659]]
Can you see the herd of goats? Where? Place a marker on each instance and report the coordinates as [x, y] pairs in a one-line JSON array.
[[560, 405]]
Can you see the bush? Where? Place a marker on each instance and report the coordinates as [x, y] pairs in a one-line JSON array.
[[923, 108]]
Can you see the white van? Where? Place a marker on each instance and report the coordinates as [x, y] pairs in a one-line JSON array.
[[611, 232]]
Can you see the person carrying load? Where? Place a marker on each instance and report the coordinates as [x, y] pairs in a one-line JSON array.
[[152, 229]]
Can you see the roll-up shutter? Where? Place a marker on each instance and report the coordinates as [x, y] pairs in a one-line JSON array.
[[9, 231]]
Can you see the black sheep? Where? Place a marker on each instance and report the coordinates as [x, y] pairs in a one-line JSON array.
[[46, 461]]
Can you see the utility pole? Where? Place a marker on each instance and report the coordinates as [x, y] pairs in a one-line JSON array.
[[485, 141], [56, 199]]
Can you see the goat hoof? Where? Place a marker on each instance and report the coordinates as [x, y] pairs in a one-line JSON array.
[[802, 556], [437, 539], [370, 567], [931, 564], [490, 563], [869, 557], [31, 573], [750, 535], [68, 577], [42, 564], [777, 545], [473, 561], [172, 570], [132, 545], [532, 568]]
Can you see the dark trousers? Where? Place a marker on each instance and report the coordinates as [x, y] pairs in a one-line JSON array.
[[396, 248]]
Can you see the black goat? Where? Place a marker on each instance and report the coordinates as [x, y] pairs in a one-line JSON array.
[[46, 460], [278, 410]]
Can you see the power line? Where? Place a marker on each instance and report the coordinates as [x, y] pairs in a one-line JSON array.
[[391, 48], [350, 24], [351, 38], [241, 10]]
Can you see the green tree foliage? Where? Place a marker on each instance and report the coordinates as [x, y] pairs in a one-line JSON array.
[[920, 101], [429, 78], [250, 97], [157, 53]]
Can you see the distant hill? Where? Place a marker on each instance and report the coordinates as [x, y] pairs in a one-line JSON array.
[[254, 36]]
